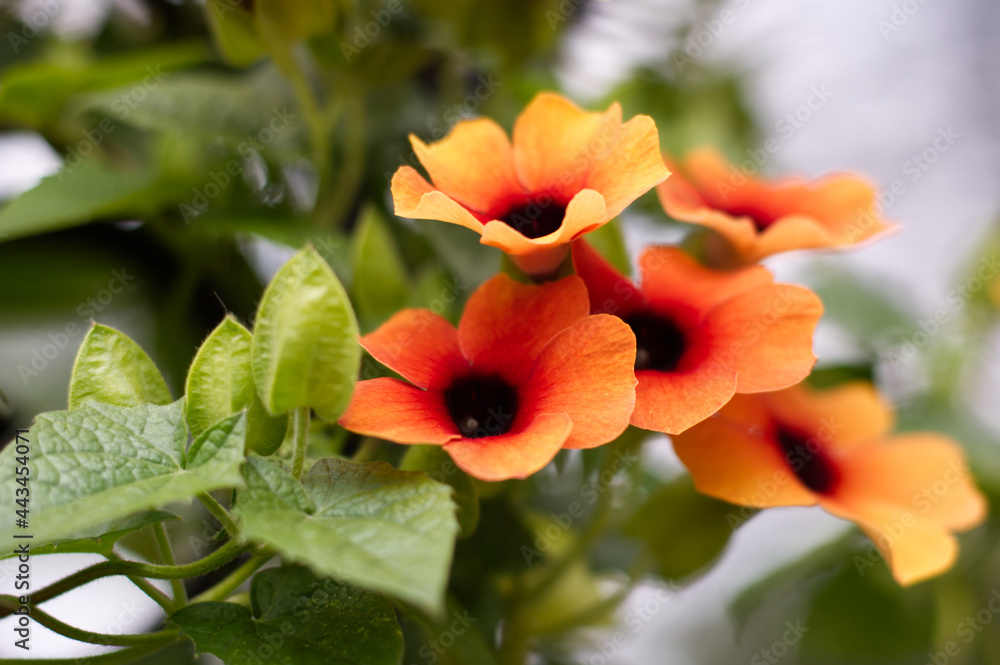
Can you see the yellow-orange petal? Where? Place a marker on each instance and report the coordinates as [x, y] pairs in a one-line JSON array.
[[397, 411], [584, 213], [586, 372], [849, 415], [473, 164], [419, 345], [765, 335], [506, 323], [670, 273], [415, 198], [630, 167], [735, 463], [556, 143], [515, 454], [672, 402]]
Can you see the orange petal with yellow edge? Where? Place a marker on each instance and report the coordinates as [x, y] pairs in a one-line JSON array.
[[765, 335], [669, 272], [556, 143], [398, 411], [733, 462], [672, 402], [415, 198], [515, 454], [506, 323], [419, 345], [848, 415], [586, 372], [473, 164], [585, 212]]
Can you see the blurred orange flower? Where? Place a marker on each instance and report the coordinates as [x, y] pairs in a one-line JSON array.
[[757, 219], [800, 447], [528, 372], [566, 173], [702, 335]]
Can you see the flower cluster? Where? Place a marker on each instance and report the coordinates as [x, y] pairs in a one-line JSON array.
[[708, 348]]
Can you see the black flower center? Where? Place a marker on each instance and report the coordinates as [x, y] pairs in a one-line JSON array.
[[482, 406], [760, 219], [807, 460], [659, 342], [535, 219]]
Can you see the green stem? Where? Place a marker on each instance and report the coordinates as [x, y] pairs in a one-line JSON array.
[[161, 599], [351, 169], [167, 554], [220, 513], [225, 587], [313, 115], [218, 558], [120, 657], [161, 638], [300, 439]]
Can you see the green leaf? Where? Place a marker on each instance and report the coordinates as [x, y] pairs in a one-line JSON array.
[[297, 618], [112, 369], [105, 543], [380, 280], [100, 463], [74, 196], [234, 32], [367, 524], [291, 20], [683, 529], [305, 347], [220, 383], [437, 464]]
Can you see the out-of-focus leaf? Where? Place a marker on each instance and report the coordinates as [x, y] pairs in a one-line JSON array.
[[74, 196], [470, 646], [298, 619], [234, 32], [305, 346], [459, 249], [113, 369], [381, 285], [683, 529], [872, 314], [438, 465], [830, 377], [371, 525], [609, 242]]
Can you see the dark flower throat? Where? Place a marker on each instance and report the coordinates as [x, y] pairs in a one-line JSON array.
[[534, 220], [807, 460], [660, 343], [482, 406]]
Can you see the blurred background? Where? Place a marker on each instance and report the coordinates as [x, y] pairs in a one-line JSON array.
[[145, 229]]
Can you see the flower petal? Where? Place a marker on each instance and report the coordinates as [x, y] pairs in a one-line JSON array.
[[670, 273], [586, 372], [849, 415], [420, 346], [515, 454], [609, 291], [735, 463], [473, 164], [584, 213], [397, 411], [556, 143], [672, 402], [415, 198], [506, 324], [630, 167], [765, 335]]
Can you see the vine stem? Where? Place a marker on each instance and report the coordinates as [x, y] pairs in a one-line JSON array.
[[220, 513], [167, 554], [225, 587], [300, 439], [160, 638], [120, 657], [219, 557]]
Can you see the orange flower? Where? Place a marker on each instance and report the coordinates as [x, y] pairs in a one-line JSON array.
[[567, 172], [527, 372], [798, 447], [702, 335], [758, 219]]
